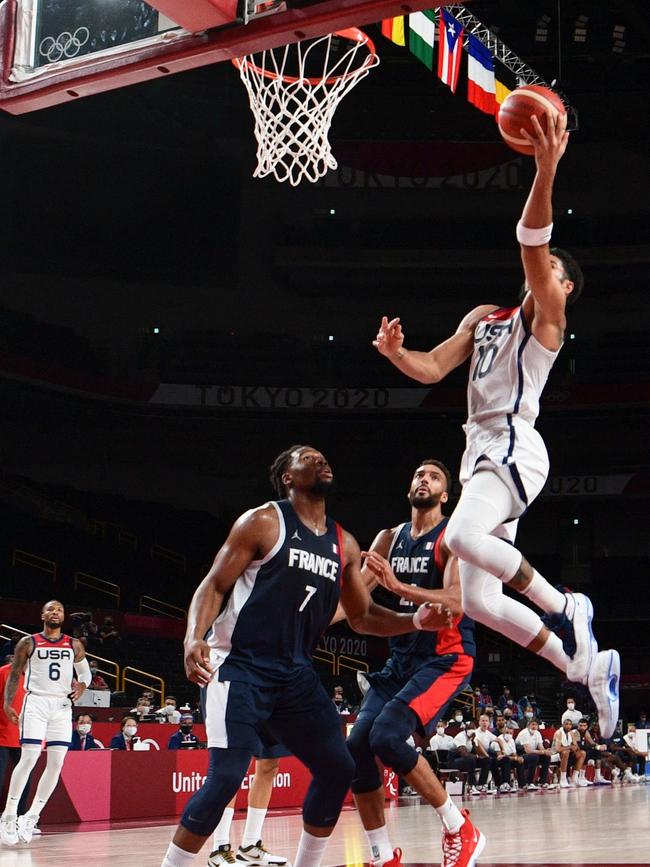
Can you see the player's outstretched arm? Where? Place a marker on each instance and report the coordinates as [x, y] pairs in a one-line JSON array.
[[252, 535], [537, 216], [429, 367], [366, 616], [21, 655]]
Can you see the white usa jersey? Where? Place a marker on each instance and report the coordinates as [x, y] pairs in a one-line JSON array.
[[50, 667], [509, 370]]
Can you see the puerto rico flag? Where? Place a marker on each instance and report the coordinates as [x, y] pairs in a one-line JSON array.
[[481, 83], [449, 49]]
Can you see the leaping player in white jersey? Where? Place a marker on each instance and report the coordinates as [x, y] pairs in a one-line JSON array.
[[505, 464], [50, 660]]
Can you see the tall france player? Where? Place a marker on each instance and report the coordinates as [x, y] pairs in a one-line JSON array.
[[50, 661], [424, 673], [253, 625], [506, 464]]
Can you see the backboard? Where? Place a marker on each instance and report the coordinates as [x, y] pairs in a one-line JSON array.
[[55, 51]]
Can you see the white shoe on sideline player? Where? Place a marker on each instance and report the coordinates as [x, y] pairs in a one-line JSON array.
[[222, 857], [257, 854], [9, 830], [603, 683], [580, 612], [26, 825]]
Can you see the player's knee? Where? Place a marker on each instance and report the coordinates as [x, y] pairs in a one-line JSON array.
[[225, 773], [366, 773], [463, 538], [391, 747]]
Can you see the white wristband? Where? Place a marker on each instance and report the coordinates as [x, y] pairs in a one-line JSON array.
[[417, 616], [534, 237]]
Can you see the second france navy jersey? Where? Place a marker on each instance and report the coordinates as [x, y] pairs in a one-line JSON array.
[[280, 606], [418, 562]]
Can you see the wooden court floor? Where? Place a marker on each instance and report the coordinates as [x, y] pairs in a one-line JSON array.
[[579, 827]]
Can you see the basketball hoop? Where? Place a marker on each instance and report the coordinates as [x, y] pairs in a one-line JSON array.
[[293, 92]]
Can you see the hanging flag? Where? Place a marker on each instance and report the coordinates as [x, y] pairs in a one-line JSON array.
[[422, 31], [481, 83], [501, 91], [393, 29], [449, 49]]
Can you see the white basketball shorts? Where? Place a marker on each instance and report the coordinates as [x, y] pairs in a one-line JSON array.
[[48, 719]]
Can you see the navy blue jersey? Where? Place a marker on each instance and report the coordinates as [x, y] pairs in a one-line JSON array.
[[418, 562], [280, 606]]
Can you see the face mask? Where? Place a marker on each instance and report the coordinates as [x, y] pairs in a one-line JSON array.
[[458, 718], [571, 705], [83, 729], [172, 706], [529, 714], [186, 729], [440, 731], [129, 731], [93, 671]]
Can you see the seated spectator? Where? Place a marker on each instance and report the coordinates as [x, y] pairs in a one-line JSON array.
[[509, 750], [442, 753], [510, 718], [572, 757], [638, 756], [458, 718], [184, 738], [141, 709], [340, 703], [486, 698], [107, 634], [127, 735], [168, 712], [571, 713], [504, 698], [97, 681], [488, 747], [642, 722], [477, 699], [527, 703], [83, 626], [82, 738], [614, 755], [528, 714], [535, 754], [463, 757], [593, 750], [489, 712]]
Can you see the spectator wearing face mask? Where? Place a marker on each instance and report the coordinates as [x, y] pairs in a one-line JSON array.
[[642, 722], [97, 681], [127, 735], [504, 698], [448, 756], [528, 703], [509, 749], [510, 718], [82, 738], [458, 719], [184, 736], [535, 754], [571, 713], [340, 703]]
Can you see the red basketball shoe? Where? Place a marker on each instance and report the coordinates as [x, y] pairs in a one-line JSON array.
[[395, 861], [462, 848]]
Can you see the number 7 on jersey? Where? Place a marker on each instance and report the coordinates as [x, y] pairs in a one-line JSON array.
[[310, 592]]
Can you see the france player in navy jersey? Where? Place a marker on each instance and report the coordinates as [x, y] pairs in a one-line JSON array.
[[253, 625], [423, 674]]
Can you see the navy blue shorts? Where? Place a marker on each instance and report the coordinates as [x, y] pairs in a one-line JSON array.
[[269, 720], [428, 691]]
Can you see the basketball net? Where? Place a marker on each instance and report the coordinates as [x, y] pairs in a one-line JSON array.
[[293, 111]]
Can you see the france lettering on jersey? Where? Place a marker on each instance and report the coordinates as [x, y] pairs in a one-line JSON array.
[[280, 606], [509, 369], [418, 562], [50, 667]]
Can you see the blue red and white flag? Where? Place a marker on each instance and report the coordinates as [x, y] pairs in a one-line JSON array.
[[449, 49], [335, 548], [481, 83]]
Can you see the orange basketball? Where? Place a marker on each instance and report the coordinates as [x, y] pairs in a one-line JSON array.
[[517, 110]]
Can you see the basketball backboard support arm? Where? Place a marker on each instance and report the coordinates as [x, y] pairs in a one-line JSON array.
[[187, 50]]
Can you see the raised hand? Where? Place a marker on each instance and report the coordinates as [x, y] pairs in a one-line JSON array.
[[550, 145], [382, 570], [390, 337], [197, 663], [432, 616]]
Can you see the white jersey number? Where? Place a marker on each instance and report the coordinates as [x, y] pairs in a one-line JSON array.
[[310, 592]]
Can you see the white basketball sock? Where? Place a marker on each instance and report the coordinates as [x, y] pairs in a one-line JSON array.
[[253, 828], [19, 777], [450, 815], [177, 857], [553, 651], [379, 842], [544, 595], [221, 836], [310, 850], [49, 779]]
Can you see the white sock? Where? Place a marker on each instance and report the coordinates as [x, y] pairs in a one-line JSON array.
[[563, 778], [544, 595], [597, 775], [310, 850], [253, 828], [379, 842], [553, 651], [19, 777], [221, 836], [49, 779], [177, 857], [450, 816]]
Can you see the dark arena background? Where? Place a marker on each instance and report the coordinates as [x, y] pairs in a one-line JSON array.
[[169, 324]]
